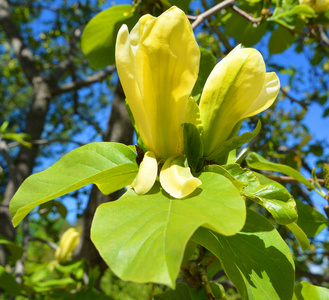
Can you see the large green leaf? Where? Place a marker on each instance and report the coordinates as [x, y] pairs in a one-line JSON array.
[[184, 292], [8, 282], [280, 40], [99, 36], [16, 251], [266, 192], [310, 220], [306, 291], [257, 260], [109, 165], [143, 237], [258, 162]]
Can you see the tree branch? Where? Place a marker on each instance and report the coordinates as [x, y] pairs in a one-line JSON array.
[[22, 52], [73, 86], [246, 15], [305, 106], [52, 245], [210, 12], [290, 179]]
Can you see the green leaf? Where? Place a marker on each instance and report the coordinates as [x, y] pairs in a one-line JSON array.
[[207, 64], [184, 292], [99, 36], [281, 39], [233, 143], [311, 221], [306, 291], [266, 192], [255, 161], [8, 282], [243, 30], [143, 237], [326, 175], [256, 260], [240, 185], [300, 236], [111, 166], [193, 146], [16, 251], [288, 15]]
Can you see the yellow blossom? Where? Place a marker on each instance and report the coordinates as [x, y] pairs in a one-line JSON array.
[[237, 88]]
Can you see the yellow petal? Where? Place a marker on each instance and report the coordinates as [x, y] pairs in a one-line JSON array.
[[67, 244], [176, 179], [157, 74], [266, 97], [237, 87], [147, 174]]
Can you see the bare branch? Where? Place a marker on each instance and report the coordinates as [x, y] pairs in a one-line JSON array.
[[323, 36], [73, 86], [305, 106], [246, 15], [52, 245], [290, 179], [210, 12]]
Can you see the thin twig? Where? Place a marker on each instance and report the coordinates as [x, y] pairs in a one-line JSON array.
[[210, 12], [246, 15], [305, 106], [73, 86], [291, 179], [52, 245], [47, 142]]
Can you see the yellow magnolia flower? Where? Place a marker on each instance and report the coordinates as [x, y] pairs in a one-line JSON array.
[[318, 5], [68, 242], [158, 64], [237, 88]]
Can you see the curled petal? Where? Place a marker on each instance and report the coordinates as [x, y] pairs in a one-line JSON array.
[[266, 97], [176, 179], [147, 174], [238, 87]]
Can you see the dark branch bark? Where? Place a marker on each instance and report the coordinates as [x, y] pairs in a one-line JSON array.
[[34, 124], [73, 86]]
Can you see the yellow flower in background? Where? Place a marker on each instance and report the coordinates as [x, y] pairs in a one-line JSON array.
[[237, 88], [158, 65], [318, 5], [68, 242]]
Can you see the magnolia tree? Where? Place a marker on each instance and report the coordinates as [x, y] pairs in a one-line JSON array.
[[191, 202]]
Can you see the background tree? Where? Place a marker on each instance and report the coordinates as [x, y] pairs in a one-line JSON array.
[[50, 93]]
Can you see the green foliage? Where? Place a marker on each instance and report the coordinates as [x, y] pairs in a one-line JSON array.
[[110, 166], [304, 290], [184, 292], [99, 36], [157, 228], [310, 220], [8, 282], [235, 142], [257, 162], [193, 146], [207, 64], [257, 260]]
